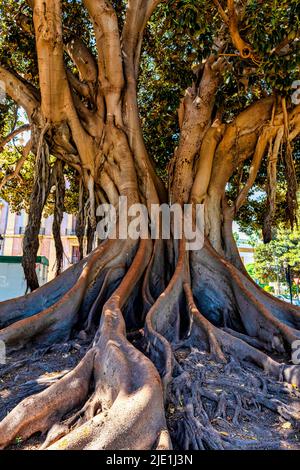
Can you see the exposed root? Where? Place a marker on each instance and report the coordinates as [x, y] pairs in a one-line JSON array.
[[195, 428], [162, 322], [206, 327], [125, 409], [212, 406], [56, 322], [119, 401], [39, 412], [26, 306], [274, 323]]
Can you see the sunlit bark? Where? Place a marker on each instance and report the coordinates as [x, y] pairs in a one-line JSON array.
[[202, 299]]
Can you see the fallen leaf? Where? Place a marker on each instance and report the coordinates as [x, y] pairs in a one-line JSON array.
[[287, 425]]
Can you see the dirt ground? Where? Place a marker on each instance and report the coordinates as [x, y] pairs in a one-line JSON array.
[[209, 405], [231, 406]]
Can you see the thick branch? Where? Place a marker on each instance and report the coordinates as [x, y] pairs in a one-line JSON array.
[[198, 106], [57, 103], [18, 91], [49, 44], [244, 48], [238, 142], [83, 59], [19, 165], [205, 162], [110, 66], [13, 134], [137, 15]]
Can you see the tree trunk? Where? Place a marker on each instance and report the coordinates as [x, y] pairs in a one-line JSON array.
[[142, 303]]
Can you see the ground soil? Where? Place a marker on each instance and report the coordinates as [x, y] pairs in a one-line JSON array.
[[244, 422]]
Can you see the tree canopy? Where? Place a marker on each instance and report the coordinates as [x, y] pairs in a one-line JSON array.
[[179, 36], [270, 259], [181, 103]]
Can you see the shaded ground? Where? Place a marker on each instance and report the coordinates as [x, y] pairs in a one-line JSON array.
[[30, 372], [209, 405], [212, 405]]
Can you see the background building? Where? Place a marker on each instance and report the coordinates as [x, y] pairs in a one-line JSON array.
[[12, 228], [246, 250]]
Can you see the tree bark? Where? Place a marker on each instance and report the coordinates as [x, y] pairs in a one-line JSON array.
[[163, 298]]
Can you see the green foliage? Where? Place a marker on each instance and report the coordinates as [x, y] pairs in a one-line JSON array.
[[269, 289], [179, 36], [18, 190], [270, 258], [250, 269], [266, 25]]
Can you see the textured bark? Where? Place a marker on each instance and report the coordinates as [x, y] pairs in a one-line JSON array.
[[38, 199], [141, 305], [58, 215]]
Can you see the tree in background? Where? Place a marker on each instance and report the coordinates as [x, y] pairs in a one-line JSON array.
[[270, 258], [101, 105]]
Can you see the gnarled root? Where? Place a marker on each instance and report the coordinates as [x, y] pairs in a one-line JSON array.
[[119, 403], [189, 398], [233, 406], [55, 323], [125, 409], [39, 412]]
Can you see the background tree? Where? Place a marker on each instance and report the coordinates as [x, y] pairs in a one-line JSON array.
[[82, 95], [270, 258]]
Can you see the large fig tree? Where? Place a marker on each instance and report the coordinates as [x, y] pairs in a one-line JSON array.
[[97, 79]]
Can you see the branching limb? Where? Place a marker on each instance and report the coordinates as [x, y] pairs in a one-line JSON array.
[[110, 67], [243, 47], [57, 103], [262, 142], [198, 107], [13, 134], [205, 163], [19, 92], [84, 61], [19, 164]]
